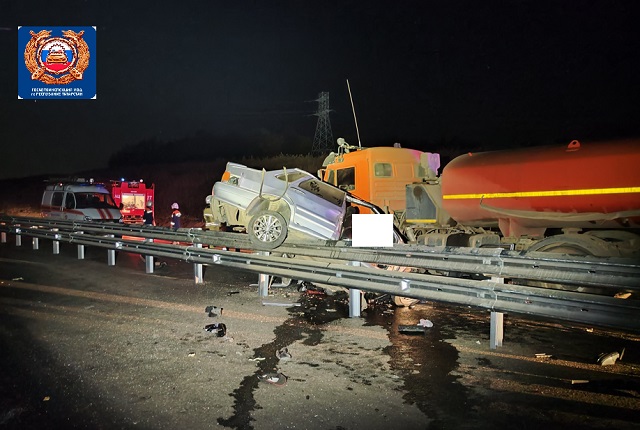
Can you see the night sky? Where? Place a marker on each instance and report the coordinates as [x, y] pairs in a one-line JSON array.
[[427, 74]]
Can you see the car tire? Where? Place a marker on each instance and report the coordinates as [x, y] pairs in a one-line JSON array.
[[267, 230]]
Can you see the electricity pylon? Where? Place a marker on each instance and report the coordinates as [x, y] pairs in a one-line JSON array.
[[323, 139]]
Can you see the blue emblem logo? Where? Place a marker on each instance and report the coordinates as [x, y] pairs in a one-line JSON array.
[[57, 63]]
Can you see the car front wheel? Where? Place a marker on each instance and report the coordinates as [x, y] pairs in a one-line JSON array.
[[267, 230]]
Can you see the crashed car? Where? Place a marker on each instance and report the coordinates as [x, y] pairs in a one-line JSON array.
[[272, 205], [269, 205]]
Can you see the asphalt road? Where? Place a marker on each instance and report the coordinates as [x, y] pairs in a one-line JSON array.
[[86, 345]]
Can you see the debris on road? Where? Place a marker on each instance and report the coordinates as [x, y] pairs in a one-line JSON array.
[[218, 328], [286, 304], [273, 378], [609, 359], [213, 311], [418, 328], [411, 329], [579, 381], [425, 323], [283, 354], [543, 355]]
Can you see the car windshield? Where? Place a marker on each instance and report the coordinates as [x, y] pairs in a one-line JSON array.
[[133, 201]]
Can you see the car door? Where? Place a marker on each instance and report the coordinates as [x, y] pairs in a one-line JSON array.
[[317, 207]]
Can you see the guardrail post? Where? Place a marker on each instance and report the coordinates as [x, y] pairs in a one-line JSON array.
[[263, 279], [148, 260], [197, 269], [355, 297], [35, 242], [56, 241], [111, 254], [496, 331], [18, 237], [80, 249], [3, 237]]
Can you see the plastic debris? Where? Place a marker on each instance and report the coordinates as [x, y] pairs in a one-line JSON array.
[[191, 354], [218, 328], [315, 292], [543, 355], [213, 311], [411, 329], [283, 354], [19, 278], [609, 359], [579, 381], [425, 323], [284, 304], [273, 378]]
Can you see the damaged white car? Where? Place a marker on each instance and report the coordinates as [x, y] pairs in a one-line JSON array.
[[272, 205]]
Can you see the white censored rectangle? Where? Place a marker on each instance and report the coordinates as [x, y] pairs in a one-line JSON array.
[[372, 230]]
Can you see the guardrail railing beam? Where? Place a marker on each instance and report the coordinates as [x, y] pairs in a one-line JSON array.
[[328, 263]]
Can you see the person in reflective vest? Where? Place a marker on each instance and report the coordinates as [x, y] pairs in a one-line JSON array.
[[175, 217]]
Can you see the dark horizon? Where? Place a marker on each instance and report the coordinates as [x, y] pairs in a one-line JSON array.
[[424, 74]]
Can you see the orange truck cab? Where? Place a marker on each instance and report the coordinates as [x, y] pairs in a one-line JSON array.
[[379, 175]]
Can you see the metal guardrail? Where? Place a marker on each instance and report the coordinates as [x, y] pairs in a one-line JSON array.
[[615, 273], [335, 263]]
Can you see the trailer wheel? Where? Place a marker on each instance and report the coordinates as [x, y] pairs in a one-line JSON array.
[[573, 244], [267, 230], [569, 244]]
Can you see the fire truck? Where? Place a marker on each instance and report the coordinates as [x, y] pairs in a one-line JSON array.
[[131, 197]]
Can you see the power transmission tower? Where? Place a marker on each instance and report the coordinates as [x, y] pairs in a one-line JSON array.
[[323, 139]]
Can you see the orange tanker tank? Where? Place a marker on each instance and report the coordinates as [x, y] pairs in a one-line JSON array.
[[591, 185]]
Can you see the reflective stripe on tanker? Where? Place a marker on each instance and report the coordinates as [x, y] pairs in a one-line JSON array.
[[552, 193]]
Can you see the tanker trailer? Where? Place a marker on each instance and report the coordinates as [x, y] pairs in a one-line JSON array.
[[582, 198]]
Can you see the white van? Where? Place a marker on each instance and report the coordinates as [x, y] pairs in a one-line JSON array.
[[79, 200]]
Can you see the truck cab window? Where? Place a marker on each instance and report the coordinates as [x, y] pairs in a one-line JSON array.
[[347, 178], [384, 170]]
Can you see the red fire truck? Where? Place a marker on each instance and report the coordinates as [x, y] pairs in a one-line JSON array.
[[131, 197]]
